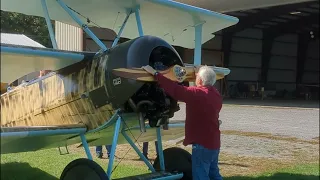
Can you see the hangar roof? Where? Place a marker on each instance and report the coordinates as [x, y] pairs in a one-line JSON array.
[[291, 18]]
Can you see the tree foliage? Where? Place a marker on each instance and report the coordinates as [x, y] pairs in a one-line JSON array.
[[32, 26]]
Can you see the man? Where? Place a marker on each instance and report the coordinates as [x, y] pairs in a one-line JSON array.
[[43, 72], [145, 148], [99, 151], [203, 105]]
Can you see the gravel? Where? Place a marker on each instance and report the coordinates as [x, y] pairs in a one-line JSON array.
[[302, 123], [267, 148], [293, 122]]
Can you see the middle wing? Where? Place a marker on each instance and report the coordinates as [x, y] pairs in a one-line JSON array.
[[17, 61]]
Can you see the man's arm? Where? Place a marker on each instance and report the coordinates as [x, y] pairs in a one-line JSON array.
[[176, 91]]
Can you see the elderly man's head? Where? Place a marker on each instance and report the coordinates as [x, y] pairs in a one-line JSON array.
[[44, 72], [206, 76]]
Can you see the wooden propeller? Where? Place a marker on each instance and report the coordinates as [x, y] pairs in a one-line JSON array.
[[175, 73]]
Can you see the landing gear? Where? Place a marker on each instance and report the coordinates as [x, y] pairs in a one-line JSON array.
[[176, 160], [83, 169]]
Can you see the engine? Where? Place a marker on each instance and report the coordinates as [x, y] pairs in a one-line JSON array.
[[152, 102], [153, 105], [145, 98]]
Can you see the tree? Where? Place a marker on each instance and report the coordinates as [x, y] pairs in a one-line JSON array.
[[32, 26]]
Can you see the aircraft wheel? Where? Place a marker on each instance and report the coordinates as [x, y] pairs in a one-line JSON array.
[[83, 169], [176, 160]]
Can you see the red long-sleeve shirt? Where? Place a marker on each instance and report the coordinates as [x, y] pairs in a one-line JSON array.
[[203, 105]]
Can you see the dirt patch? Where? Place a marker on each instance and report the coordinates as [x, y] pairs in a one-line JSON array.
[[270, 136], [316, 138], [274, 106], [234, 165], [257, 147]]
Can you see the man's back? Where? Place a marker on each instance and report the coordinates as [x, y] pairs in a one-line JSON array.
[[203, 105], [202, 114]]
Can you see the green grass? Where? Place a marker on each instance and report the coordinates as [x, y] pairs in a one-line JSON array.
[[297, 172], [49, 164], [305, 169]]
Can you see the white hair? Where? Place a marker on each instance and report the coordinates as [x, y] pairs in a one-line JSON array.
[[207, 75]]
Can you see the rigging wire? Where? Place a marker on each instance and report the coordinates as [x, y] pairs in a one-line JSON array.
[[173, 37], [87, 18], [90, 21], [135, 141], [115, 21]]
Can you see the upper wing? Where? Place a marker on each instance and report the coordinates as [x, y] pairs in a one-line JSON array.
[[170, 20], [17, 61]]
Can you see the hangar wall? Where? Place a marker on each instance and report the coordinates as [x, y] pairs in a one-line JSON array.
[[245, 57], [283, 62], [246, 60], [311, 67]]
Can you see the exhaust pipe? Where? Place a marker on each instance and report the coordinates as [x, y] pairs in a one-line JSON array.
[[136, 108]]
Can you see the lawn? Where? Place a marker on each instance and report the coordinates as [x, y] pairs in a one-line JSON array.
[[294, 172], [48, 165]]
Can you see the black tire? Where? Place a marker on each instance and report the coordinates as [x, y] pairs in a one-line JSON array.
[[83, 169], [176, 160]]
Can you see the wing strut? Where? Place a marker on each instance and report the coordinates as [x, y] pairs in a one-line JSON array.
[[198, 44], [138, 19], [82, 25], [48, 21], [115, 42]]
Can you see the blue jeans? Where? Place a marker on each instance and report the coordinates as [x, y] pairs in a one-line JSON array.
[[99, 149], [146, 147], [205, 163]]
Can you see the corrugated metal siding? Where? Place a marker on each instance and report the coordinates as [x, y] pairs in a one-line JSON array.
[[311, 68], [68, 37], [245, 57]]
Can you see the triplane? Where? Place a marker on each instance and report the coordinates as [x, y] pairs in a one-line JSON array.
[[86, 99]]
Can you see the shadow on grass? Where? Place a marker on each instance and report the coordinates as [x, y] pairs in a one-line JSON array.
[[23, 171], [277, 176], [138, 159], [233, 164]]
